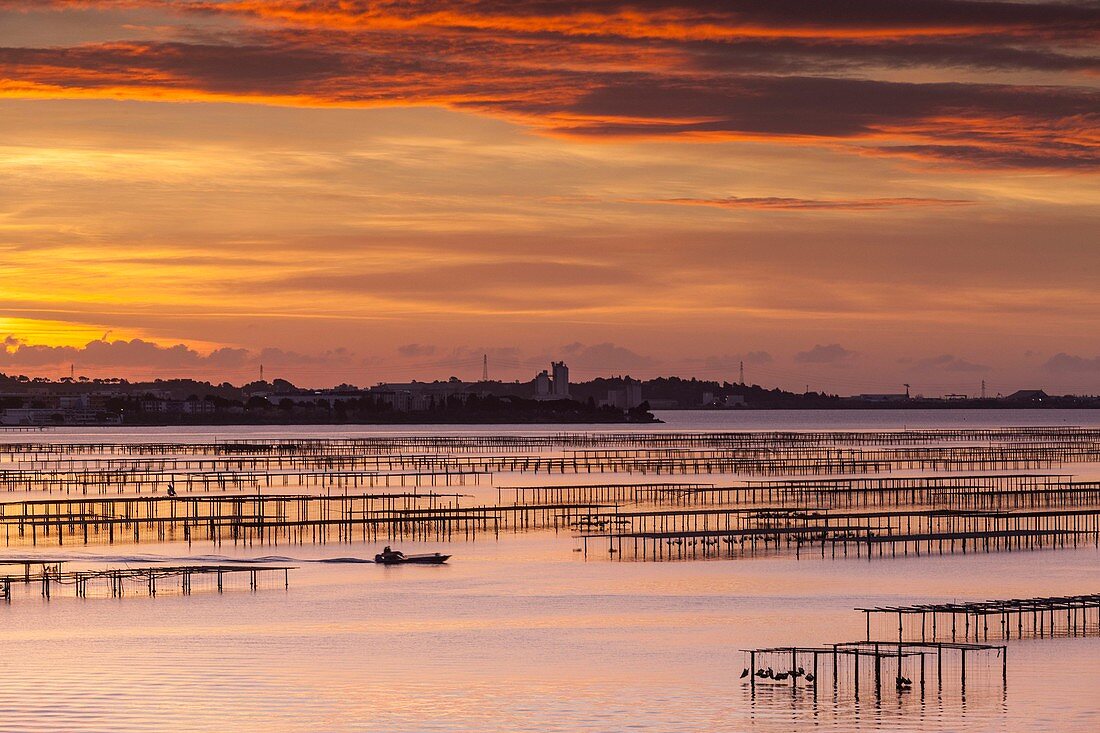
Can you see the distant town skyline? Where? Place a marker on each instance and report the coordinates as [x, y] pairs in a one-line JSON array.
[[902, 193], [824, 368]]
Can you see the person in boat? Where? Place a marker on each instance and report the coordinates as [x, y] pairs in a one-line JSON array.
[[171, 489], [391, 554]]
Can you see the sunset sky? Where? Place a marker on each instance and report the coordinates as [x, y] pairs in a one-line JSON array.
[[845, 195]]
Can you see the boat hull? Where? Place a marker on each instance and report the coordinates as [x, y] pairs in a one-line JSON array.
[[433, 559]]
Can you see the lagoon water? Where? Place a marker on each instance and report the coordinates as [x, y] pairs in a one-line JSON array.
[[521, 633]]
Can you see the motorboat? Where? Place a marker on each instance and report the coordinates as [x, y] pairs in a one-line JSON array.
[[399, 558]]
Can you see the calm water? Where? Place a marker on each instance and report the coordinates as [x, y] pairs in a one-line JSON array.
[[522, 634]]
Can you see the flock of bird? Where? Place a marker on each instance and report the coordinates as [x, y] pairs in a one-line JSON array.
[[787, 514], [903, 683], [712, 541], [770, 539], [770, 674]]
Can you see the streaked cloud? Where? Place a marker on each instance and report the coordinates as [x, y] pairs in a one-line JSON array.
[[789, 72], [784, 203]]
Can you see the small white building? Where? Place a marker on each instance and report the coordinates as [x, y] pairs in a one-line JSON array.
[[553, 384], [542, 385], [627, 398]]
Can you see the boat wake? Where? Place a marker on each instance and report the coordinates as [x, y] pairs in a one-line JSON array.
[[154, 559]]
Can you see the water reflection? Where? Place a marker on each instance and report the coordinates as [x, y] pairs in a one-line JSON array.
[[797, 708], [520, 634]]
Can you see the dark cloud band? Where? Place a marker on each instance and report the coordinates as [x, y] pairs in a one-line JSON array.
[[779, 71]]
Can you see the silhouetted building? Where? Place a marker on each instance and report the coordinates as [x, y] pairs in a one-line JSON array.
[[626, 398], [554, 387], [1028, 395], [420, 396], [882, 397], [542, 384], [561, 380]]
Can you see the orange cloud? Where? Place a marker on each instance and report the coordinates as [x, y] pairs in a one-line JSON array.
[[704, 20], [793, 72], [786, 203], [382, 189]]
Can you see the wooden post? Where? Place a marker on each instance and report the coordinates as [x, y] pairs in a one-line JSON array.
[[834, 670], [815, 675], [878, 672], [856, 676], [963, 655]]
